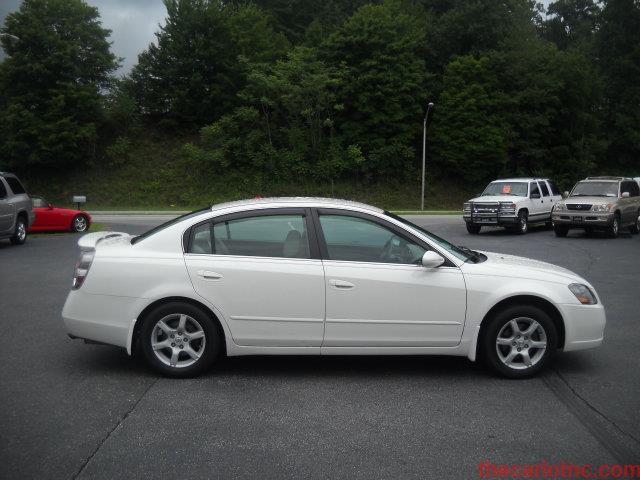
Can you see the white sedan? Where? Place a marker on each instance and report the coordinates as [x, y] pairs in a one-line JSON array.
[[304, 276]]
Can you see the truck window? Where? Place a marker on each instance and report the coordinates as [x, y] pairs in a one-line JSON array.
[[543, 187], [554, 188], [3, 190], [534, 189], [15, 185]]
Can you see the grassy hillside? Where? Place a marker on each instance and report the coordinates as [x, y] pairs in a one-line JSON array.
[[154, 174]]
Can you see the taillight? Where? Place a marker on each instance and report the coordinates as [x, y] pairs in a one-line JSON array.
[[82, 267]]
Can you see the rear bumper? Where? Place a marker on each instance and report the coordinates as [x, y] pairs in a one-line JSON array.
[[101, 318], [582, 220], [584, 326]]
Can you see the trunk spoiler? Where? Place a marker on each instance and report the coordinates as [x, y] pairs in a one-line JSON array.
[[90, 240]]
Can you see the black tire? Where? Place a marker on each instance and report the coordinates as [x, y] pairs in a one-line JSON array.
[[473, 229], [20, 232], [548, 224], [79, 224], [635, 228], [560, 231], [614, 228], [211, 346], [540, 357], [523, 222]]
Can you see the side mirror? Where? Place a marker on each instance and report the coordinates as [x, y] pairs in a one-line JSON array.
[[625, 195], [535, 195], [431, 259], [565, 194]]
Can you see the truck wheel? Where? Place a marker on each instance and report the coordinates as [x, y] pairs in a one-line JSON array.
[[560, 231], [614, 228], [473, 229], [20, 233], [635, 228], [523, 222]]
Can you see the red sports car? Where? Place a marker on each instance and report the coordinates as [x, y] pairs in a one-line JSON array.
[[51, 219]]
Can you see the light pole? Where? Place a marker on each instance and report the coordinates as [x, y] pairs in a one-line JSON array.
[[424, 150]]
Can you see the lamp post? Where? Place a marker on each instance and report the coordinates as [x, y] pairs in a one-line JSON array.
[[424, 150]]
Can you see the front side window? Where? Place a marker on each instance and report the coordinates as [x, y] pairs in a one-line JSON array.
[[519, 189], [631, 187], [360, 240], [3, 190], [281, 236], [39, 202], [15, 185], [534, 189]]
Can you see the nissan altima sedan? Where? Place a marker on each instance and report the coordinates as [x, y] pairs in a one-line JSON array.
[[306, 276]]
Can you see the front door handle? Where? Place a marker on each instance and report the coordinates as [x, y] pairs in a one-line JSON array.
[[209, 275], [340, 284]]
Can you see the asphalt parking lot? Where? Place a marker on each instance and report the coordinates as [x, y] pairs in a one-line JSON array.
[[71, 410]]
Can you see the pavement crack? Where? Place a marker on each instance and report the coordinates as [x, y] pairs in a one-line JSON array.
[[624, 446], [118, 425]]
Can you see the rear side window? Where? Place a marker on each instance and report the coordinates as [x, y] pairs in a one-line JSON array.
[[554, 188], [3, 190], [15, 185], [280, 236], [545, 190]]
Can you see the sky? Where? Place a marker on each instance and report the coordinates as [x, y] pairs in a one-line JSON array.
[[132, 24]]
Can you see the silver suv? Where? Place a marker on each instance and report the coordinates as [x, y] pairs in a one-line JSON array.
[[607, 203], [16, 211]]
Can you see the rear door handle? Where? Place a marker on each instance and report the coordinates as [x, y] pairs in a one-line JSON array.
[[340, 284], [209, 275]]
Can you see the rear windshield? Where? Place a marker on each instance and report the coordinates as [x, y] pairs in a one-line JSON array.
[[519, 189], [595, 189], [155, 230]]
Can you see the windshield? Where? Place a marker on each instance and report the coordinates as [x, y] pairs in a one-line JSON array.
[[519, 189], [466, 255], [595, 189], [154, 230]]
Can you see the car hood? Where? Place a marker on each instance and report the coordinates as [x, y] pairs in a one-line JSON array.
[[497, 198], [521, 267], [590, 200]]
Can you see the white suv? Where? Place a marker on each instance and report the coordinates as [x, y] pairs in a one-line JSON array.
[[513, 203]]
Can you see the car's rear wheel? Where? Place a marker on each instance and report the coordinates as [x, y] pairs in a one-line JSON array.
[[473, 229], [79, 224], [519, 341], [614, 228], [635, 228], [179, 340], [20, 232], [560, 231]]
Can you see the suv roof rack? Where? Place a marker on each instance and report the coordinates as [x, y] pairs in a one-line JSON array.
[[605, 177]]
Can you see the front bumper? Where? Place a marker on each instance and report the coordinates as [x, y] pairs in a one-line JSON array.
[[582, 219], [584, 325], [490, 218]]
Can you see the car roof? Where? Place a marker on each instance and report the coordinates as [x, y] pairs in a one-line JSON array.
[[606, 179], [276, 202], [520, 179]]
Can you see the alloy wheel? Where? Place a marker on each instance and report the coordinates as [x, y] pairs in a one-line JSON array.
[[80, 224], [21, 231], [178, 340], [521, 343]]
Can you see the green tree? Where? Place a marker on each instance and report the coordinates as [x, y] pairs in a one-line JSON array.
[[618, 52], [382, 84], [58, 63], [471, 137], [571, 23]]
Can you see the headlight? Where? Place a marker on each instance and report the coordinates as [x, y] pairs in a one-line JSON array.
[[507, 207], [583, 294], [558, 207], [602, 207], [82, 268], [466, 207]]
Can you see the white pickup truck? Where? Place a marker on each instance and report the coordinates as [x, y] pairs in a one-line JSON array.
[[514, 203]]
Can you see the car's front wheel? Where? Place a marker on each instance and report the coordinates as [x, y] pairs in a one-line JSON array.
[[614, 228], [560, 231], [518, 341], [179, 340], [523, 222], [79, 224], [20, 232], [473, 229]]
